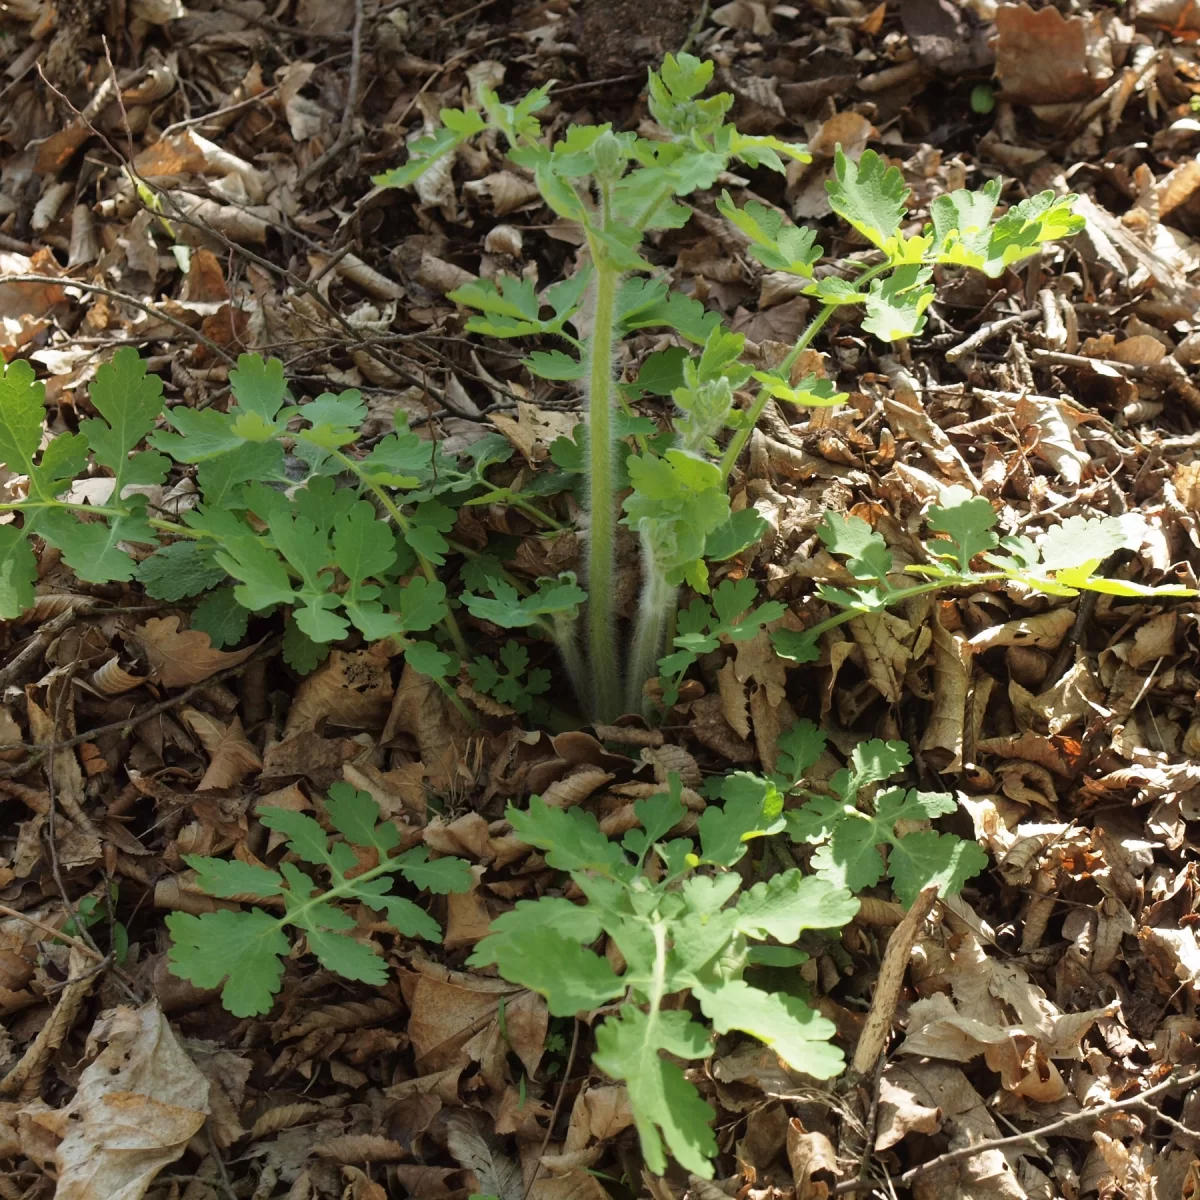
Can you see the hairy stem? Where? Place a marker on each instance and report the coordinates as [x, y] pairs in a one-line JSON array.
[[565, 633], [601, 617], [656, 604]]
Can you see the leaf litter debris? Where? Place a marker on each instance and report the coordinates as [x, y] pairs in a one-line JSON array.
[[195, 182]]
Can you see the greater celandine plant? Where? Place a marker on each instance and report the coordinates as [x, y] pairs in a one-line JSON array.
[[619, 187]]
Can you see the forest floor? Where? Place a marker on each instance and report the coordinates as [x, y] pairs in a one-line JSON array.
[[1061, 983]]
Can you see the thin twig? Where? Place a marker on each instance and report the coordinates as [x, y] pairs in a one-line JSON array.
[[562, 1091], [347, 126], [1023, 1139], [218, 112], [157, 313], [82, 947], [30, 654], [988, 331], [154, 710]]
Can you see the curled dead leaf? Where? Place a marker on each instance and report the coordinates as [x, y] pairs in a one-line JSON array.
[[179, 657]]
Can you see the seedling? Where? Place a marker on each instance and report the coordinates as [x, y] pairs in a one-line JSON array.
[[242, 952], [849, 828], [618, 187], [516, 685], [668, 908]]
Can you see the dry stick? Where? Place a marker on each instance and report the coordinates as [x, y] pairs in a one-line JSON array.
[[562, 1091], [154, 710], [988, 331], [346, 127], [82, 947], [1023, 1139], [30, 654], [862, 1181], [66, 281], [878, 1024], [219, 112]]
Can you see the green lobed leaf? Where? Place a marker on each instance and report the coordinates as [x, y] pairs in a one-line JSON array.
[[220, 616], [230, 877], [21, 416], [179, 569], [744, 528], [92, 549], [427, 659], [1082, 542], [895, 306], [530, 918], [870, 195], [795, 647], [967, 521], [300, 652], [347, 956], [240, 952], [785, 905], [752, 807], [571, 838], [438, 875], [18, 573], [799, 749], [510, 610], [798, 1034], [306, 838], [355, 814], [666, 1107], [778, 246], [571, 978], [130, 401]]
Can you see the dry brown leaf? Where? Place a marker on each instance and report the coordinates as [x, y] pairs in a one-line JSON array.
[[135, 1108], [744, 14], [533, 429], [231, 756], [10, 732], [811, 1154], [352, 689], [453, 1015], [1153, 640], [734, 705], [504, 191], [1043, 57], [179, 657], [1046, 630], [769, 720], [879, 638], [362, 1147], [757, 661], [576, 786], [1049, 424], [479, 1152], [942, 741], [421, 710], [901, 1113]]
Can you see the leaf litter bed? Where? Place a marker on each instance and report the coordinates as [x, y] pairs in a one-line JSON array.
[[1061, 981]]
